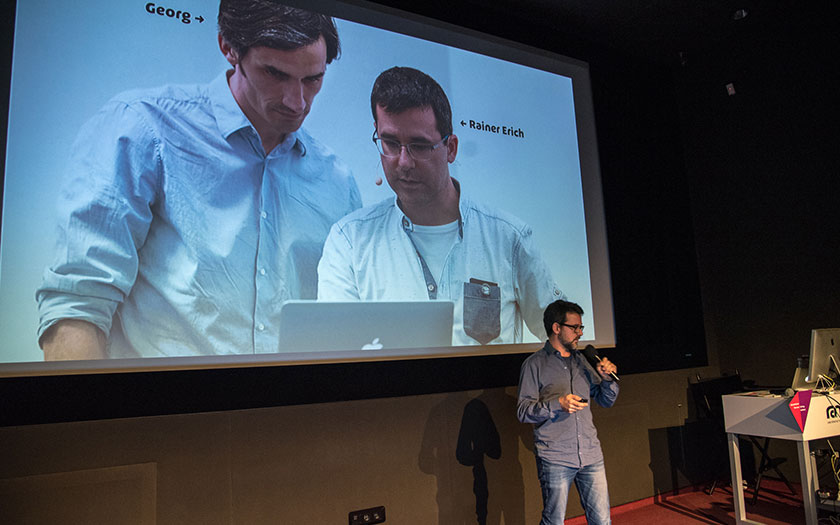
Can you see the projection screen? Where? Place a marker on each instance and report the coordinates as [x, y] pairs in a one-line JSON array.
[[526, 157]]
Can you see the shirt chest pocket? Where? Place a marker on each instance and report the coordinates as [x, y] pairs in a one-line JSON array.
[[482, 310]]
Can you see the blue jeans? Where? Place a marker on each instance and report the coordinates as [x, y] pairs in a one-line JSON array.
[[591, 483]]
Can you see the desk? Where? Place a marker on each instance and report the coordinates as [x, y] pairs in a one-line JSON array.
[[760, 414]]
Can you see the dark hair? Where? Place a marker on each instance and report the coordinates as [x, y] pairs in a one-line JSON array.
[[401, 88], [244, 24], [556, 313]]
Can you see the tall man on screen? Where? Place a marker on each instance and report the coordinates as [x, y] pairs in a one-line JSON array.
[[556, 385], [432, 242], [190, 213]]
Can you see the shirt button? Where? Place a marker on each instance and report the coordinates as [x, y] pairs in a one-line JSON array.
[[260, 327], [431, 288], [263, 215], [262, 271]]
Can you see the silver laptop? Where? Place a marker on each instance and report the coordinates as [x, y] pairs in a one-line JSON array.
[[308, 326]]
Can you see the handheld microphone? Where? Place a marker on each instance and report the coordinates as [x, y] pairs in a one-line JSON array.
[[592, 357]]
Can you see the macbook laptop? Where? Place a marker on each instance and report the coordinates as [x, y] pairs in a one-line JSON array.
[[307, 326]]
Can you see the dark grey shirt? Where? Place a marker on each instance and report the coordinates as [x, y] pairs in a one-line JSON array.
[[560, 437]]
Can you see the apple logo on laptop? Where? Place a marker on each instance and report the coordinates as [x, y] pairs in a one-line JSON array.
[[373, 345]]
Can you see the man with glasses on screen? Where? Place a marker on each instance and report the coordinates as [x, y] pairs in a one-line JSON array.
[[555, 386], [192, 212], [431, 241]]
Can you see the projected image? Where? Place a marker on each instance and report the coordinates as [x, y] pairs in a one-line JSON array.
[[190, 213], [481, 258], [203, 178]]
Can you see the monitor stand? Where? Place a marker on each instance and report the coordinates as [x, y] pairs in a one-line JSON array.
[[823, 384]]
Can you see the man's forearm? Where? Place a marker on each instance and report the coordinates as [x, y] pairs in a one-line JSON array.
[[73, 339]]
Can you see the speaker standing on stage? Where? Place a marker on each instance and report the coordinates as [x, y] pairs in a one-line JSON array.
[[555, 386]]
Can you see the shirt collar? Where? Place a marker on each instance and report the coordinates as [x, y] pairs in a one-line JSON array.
[[230, 118], [409, 226], [576, 356], [550, 350]]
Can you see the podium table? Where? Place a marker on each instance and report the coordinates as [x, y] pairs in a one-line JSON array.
[[765, 415]]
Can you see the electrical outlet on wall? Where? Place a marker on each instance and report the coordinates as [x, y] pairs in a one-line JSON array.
[[367, 516]]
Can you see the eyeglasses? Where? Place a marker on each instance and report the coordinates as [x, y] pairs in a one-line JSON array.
[[574, 327], [416, 150]]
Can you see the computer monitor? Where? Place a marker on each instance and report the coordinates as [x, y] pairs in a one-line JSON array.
[[824, 357]]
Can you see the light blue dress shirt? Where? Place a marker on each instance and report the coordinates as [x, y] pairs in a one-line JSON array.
[[369, 256], [560, 437], [178, 235]]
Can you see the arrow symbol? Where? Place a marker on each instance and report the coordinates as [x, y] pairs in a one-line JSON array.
[[200, 19], [463, 123]]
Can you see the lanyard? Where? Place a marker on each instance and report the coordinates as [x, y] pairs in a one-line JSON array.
[[431, 284]]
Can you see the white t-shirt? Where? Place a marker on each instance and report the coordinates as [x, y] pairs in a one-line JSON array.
[[434, 244]]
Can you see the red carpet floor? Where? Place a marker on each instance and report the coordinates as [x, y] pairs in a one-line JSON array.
[[775, 506]]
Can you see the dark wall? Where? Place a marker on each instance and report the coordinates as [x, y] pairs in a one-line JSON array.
[[763, 166], [652, 252]]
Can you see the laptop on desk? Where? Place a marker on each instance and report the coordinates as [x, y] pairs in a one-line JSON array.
[[318, 326]]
